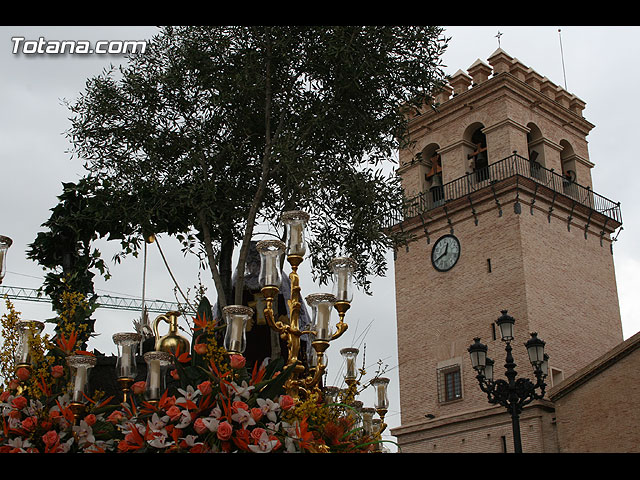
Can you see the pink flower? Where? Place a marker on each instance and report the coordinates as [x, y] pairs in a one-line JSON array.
[[200, 348], [224, 431], [23, 374], [237, 361], [286, 402], [57, 371], [138, 387], [13, 384], [205, 387], [90, 419]]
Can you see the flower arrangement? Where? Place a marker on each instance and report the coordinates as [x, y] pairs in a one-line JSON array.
[[218, 405]]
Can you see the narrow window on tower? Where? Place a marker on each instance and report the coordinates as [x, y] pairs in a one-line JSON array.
[[449, 384]]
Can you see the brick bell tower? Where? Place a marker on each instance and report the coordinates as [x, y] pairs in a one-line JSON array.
[[501, 215]]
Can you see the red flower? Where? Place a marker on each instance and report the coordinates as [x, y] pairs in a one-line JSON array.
[[115, 416], [237, 361], [51, 441], [237, 405], [242, 439], [23, 374], [29, 423], [286, 402], [90, 419], [57, 371], [256, 413], [225, 430], [200, 348], [205, 387], [138, 387], [174, 413], [19, 403]]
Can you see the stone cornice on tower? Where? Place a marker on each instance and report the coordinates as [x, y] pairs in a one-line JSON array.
[[465, 88]]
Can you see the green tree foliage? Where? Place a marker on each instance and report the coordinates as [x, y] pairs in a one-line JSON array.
[[214, 130]]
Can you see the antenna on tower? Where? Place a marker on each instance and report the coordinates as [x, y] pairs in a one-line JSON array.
[[562, 58]]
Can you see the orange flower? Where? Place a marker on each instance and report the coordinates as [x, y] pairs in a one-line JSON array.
[[67, 345], [201, 322], [305, 436]]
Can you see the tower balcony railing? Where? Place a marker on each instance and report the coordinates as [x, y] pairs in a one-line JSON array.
[[496, 172]]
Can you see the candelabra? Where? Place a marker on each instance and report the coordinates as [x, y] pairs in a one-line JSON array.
[[513, 394], [303, 380]]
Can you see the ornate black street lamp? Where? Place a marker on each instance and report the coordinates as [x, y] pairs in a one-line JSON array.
[[513, 394]]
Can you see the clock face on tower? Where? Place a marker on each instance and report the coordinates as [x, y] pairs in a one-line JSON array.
[[445, 253]]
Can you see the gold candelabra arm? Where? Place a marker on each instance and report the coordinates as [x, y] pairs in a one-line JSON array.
[[270, 293], [341, 326]]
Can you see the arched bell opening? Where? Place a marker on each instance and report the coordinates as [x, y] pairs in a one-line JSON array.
[[478, 159], [432, 174]]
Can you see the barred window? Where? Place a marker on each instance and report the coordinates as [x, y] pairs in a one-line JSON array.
[[449, 383]]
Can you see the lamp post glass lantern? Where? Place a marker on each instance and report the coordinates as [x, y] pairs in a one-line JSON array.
[[513, 393]]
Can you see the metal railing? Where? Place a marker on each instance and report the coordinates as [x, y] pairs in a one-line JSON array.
[[496, 172]]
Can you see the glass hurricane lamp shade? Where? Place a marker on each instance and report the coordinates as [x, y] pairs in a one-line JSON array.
[[313, 362], [236, 318], [535, 349], [367, 420], [355, 413], [505, 324], [127, 343], [80, 366], [157, 364], [382, 400], [321, 307], [27, 331], [342, 269], [478, 353], [350, 355], [295, 222], [5, 243], [270, 259]]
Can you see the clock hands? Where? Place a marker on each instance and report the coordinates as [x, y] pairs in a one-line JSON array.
[[446, 247]]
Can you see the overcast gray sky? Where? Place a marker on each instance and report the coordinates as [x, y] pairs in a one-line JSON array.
[[600, 67]]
